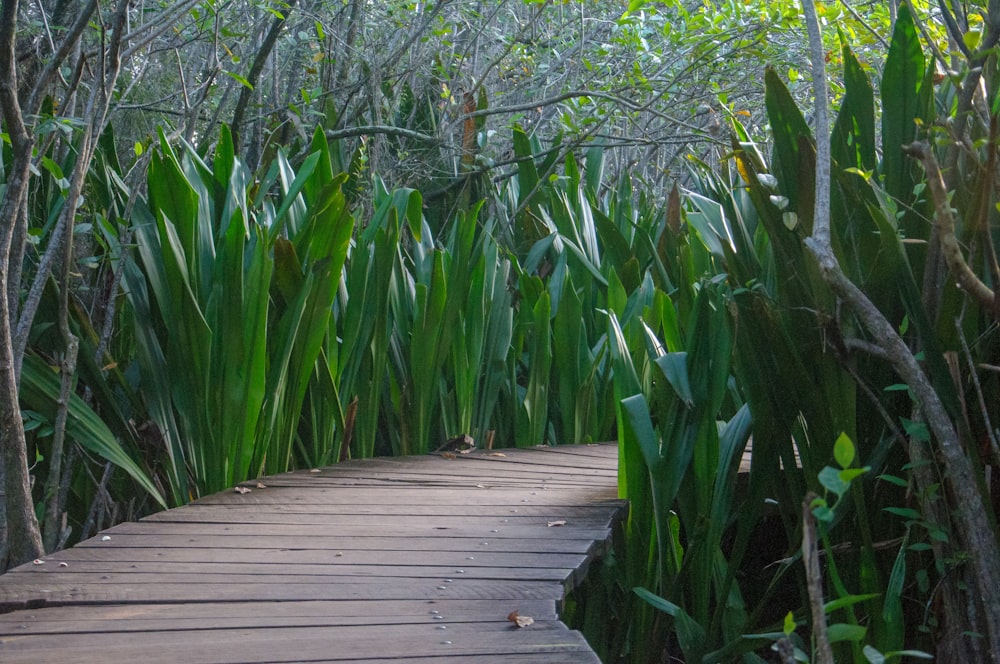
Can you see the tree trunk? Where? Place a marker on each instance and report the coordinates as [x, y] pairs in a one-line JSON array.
[[24, 538]]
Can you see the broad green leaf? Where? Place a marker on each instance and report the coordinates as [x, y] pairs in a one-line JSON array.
[[843, 451], [40, 388], [843, 632], [690, 634], [901, 79]]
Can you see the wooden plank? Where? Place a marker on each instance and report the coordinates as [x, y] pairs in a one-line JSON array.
[[23, 595], [299, 644], [438, 528], [443, 542], [587, 518], [458, 559], [111, 618], [262, 572], [342, 513], [467, 494]]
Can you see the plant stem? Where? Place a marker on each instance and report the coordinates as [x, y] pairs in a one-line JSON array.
[[814, 582]]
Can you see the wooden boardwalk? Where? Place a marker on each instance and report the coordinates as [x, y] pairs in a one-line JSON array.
[[417, 559]]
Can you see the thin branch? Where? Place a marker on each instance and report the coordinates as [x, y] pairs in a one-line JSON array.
[[65, 48], [371, 130], [984, 411], [255, 71], [945, 221], [814, 582]]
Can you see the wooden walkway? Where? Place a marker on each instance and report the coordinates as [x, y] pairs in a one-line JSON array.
[[417, 559]]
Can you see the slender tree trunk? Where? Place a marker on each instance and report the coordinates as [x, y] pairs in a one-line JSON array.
[[24, 538], [256, 70]]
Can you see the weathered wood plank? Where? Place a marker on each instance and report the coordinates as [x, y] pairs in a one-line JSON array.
[[437, 528], [582, 517], [23, 594], [344, 513], [299, 644], [112, 618], [443, 542], [277, 572]]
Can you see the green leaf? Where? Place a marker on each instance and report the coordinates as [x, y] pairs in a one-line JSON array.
[[892, 479], [844, 602], [901, 79], [873, 655], [690, 634], [844, 632], [831, 480], [916, 430], [905, 512], [40, 387], [238, 78], [848, 475], [790, 625], [843, 450]]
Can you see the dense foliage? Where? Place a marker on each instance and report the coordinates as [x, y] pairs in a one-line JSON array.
[[530, 223]]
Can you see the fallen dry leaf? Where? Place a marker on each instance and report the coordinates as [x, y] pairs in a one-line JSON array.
[[553, 524], [448, 455], [261, 485], [242, 489], [519, 620], [314, 470], [496, 454]]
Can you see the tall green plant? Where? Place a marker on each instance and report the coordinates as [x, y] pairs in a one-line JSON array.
[[233, 298]]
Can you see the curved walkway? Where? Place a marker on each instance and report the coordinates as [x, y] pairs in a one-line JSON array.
[[416, 558]]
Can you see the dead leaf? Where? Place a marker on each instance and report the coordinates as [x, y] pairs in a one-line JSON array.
[[261, 485], [448, 455], [496, 454], [242, 489], [314, 470], [553, 524], [519, 620]]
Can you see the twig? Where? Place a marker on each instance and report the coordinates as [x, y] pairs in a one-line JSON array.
[[945, 221], [814, 582], [987, 424]]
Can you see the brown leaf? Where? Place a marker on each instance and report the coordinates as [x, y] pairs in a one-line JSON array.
[[242, 489], [496, 454], [448, 455], [519, 620], [553, 524], [261, 485]]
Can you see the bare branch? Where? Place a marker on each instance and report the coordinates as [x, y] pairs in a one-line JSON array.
[[814, 582], [945, 221]]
